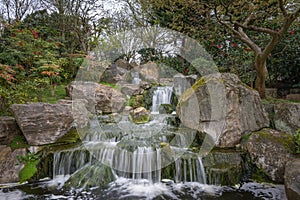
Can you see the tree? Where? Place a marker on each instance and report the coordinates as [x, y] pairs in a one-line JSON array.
[[77, 19], [16, 10], [254, 20], [249, 22]]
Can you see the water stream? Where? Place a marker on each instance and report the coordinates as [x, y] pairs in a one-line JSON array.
[[162, 95], [123, 160]]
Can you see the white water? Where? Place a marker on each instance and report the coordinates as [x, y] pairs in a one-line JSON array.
[[162, 95], [135, 78]]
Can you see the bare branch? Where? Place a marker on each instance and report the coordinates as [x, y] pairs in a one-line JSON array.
[[256, 28], [281, 6]]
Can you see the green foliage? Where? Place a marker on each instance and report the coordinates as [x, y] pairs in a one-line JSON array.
[[29, 170], [18, 142], [297, 141], [284, 62]]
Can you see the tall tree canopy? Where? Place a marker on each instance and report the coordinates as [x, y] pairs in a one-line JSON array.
[[258, 24]]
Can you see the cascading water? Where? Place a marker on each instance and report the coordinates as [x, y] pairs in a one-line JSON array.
[[135, 78], [162, 95], [120, 160]]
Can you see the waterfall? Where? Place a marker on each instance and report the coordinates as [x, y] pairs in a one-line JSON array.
[[189, 170], [134, 152], [135, 78], [162, 95]]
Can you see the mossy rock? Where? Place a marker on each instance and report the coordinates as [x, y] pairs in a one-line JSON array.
[[71, 137], [139, 115], [91, 176], [269, 151], [165, 109], [137, 101]]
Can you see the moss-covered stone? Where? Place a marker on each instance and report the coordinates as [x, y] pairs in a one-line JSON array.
[[139, 115], [269, 151], [71, 137], [283, 139], [137, 101], [165, 109], [97, 175]]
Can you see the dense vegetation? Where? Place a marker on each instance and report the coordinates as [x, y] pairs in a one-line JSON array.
[[43, 43]]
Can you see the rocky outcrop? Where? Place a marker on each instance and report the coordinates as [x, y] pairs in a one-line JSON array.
[[182, 83], [124, 64], [131, 89], [114, 74], [223, 107], [292, 179], [101, 98], [150, 72], [108, 100], [8, 129], [270, 150], [139, 115], [287, 117], [9, 165], [43, 123]]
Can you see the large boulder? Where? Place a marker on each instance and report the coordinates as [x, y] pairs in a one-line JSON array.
[[43, 123], [8, 129], [114, 74], [139, 115], [223, 107], [287, 117], [9, 165], [270, 150], [292, 179], [108, 100], [182, 83], [100, 98], [123, 64], [150, 72]]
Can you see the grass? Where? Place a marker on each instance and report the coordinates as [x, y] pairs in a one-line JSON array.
[[60, 93]]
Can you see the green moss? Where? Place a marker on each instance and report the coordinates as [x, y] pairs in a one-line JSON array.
[[109, 84], [165, 109], [260, 176], [137, 101], [142, 119], [29, 170], [245, 137], [286, 140], [271, 100], [91, 176], [18, 142], [71, 137]]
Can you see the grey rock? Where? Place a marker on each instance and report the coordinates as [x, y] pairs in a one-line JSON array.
[[100, 98], [292, 179], [8, 129], [124, 64], [150, 72], [9, 165], [182, 83], [115, 74], [270, 150], [43, 123], [287, 117], [223, 107]]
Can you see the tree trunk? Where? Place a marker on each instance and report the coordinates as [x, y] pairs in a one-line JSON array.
[[261, 75]]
